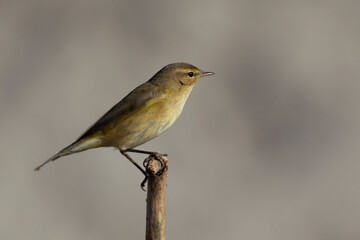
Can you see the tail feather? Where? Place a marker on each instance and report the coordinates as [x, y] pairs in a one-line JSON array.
[[53, 158], [77, 146]]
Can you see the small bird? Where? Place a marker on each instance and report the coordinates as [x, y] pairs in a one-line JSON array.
[[145, 113]]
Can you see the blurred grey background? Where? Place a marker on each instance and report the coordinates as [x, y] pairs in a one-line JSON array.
[[265, 149]]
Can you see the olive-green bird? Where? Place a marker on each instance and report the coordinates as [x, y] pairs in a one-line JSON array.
[[145, 113]]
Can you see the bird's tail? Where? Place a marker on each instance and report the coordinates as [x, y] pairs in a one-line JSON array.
[[77, 146]]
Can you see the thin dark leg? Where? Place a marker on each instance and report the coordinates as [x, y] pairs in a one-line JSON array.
[[157, 155], [144, 152], [132, 161]]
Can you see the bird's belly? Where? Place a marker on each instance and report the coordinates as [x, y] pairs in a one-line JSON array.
[[155, 128], [147, 124]]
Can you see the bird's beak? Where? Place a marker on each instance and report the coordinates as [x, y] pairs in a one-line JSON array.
[[203, 74]]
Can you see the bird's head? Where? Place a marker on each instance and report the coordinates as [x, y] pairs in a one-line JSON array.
[[177, 75]]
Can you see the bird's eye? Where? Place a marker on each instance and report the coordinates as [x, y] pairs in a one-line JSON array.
[[191, 74]]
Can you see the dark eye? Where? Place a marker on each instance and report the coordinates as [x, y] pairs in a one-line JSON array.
[[191, 74]]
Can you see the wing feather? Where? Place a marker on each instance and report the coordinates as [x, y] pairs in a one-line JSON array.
[[134, 100]]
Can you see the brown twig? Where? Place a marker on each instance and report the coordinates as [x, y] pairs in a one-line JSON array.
[[155, 202]]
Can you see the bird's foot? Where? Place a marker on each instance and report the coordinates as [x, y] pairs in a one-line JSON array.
[[142, 185], [159, 157]]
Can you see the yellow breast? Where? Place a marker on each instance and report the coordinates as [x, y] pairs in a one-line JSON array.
[[149, 121]]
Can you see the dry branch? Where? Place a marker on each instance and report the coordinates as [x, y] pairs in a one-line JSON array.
[[155, 202]]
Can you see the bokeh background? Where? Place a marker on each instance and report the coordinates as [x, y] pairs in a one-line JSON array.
[[268, 148]]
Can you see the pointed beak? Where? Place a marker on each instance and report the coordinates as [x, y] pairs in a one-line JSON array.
[[203, 74]]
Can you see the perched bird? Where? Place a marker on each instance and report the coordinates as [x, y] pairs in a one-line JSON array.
[[145, 113]]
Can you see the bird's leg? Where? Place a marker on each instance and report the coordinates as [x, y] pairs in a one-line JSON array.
[[142, 185], [132, 161], [158, 156]]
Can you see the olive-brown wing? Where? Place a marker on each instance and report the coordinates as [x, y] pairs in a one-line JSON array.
[[134, 100]]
